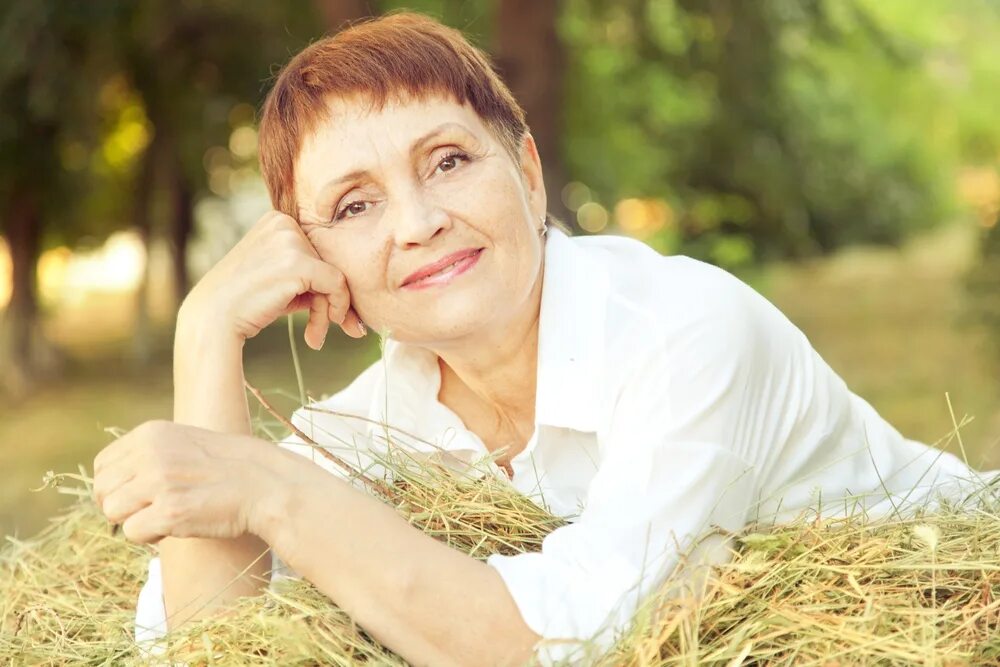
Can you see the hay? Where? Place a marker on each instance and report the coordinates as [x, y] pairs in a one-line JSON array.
[[829, 592], [924, 590]]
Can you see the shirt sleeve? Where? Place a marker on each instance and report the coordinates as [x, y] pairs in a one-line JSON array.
[[339, 433], [670, 470]]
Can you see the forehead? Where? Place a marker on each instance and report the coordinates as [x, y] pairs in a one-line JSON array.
[[352, 132]]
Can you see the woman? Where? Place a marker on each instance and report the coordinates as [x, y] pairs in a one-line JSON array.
[[645, 397]]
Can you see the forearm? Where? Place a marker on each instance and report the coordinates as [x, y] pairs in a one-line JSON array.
[[417, 596], [208, 377], [209, 393]]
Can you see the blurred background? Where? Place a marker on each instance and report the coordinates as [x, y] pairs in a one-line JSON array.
[[841, 156]]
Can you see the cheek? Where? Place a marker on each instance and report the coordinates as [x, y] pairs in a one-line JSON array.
[[494, 204], [485, 197]]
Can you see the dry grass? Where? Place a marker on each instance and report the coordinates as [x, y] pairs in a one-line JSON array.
[[69, 594], [922, 590]]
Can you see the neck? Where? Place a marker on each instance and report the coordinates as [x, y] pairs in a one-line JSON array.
[[498, 368]]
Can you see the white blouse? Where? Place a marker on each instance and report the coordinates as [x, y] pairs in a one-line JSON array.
[[671, 398]]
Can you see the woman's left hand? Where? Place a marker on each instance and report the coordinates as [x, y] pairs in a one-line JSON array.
[[164, 479]]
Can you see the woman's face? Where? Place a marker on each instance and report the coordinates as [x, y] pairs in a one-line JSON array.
[[383, 194]]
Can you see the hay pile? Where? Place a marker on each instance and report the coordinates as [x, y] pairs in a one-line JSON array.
[[836, 592]]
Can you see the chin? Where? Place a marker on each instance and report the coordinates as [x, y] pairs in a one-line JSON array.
[[444, 320]]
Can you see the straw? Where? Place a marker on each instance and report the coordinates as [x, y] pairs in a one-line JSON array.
[[829, 592]]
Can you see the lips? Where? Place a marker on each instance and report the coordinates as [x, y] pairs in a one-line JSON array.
[[441, 266]]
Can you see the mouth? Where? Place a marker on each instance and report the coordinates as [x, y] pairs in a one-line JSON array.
[[444, 270]]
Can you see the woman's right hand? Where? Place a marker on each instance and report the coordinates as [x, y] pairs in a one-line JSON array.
[[274, 270]]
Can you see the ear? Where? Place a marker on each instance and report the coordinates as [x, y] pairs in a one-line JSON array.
[[531, 172]]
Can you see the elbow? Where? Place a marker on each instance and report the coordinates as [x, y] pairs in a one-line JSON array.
[[498, 649], [518, 645], [511, 643], [521, 650], [485, 629]]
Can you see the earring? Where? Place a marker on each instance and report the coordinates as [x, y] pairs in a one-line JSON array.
[[545, 227]]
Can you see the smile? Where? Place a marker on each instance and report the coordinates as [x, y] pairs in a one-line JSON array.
[[446, 274]]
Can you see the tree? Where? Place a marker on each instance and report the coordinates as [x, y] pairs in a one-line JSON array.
[[45, 102], [530, 57], [767, 127], [336, 14], [190, 66], [173, 72]]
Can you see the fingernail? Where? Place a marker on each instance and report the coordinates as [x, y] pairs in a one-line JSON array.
[[361, 328]]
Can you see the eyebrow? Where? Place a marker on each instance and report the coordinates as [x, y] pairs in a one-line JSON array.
[[414, 147]]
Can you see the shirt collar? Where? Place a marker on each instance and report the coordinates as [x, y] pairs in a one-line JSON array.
[[571, 349]]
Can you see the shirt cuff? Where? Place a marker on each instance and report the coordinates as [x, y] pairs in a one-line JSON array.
[[151, 613], [569, 608]]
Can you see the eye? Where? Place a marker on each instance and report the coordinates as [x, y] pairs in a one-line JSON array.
[[351, 210], [450, 161]]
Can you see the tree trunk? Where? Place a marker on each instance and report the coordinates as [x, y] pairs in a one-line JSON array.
[[142, 205], [24, 239], [181, 227], [26, 358], [532, 61], [336, 14]]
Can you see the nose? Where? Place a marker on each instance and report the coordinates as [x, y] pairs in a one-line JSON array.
[[418, 220]]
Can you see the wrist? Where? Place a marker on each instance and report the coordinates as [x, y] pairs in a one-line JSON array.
[[208, 375], [199, 325], [274, 492]]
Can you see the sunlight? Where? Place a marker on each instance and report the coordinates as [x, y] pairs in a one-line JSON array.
[[592, 217], [642, 218], [128, 138], [5, 269], [52, 269], [116, 266], [979, 189], [66, 277]]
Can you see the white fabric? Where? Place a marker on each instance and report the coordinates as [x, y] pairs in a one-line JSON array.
[[671, 398]]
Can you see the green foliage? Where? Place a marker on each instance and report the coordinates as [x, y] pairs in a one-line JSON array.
[[773, 128], [780, 128], [52, 55], [472, 17], [85, 88]]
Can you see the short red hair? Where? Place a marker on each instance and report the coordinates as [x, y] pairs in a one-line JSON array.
[[397, 56]]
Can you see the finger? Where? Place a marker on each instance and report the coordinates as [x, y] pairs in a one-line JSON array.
[[111, 465], [339, 308], [298, 302], [340, 303], [352, 325], [125, 501], [274, 220], [327, 279], [112, 452], [284, 223], [319, 323], [147, 526], [109, 480]]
